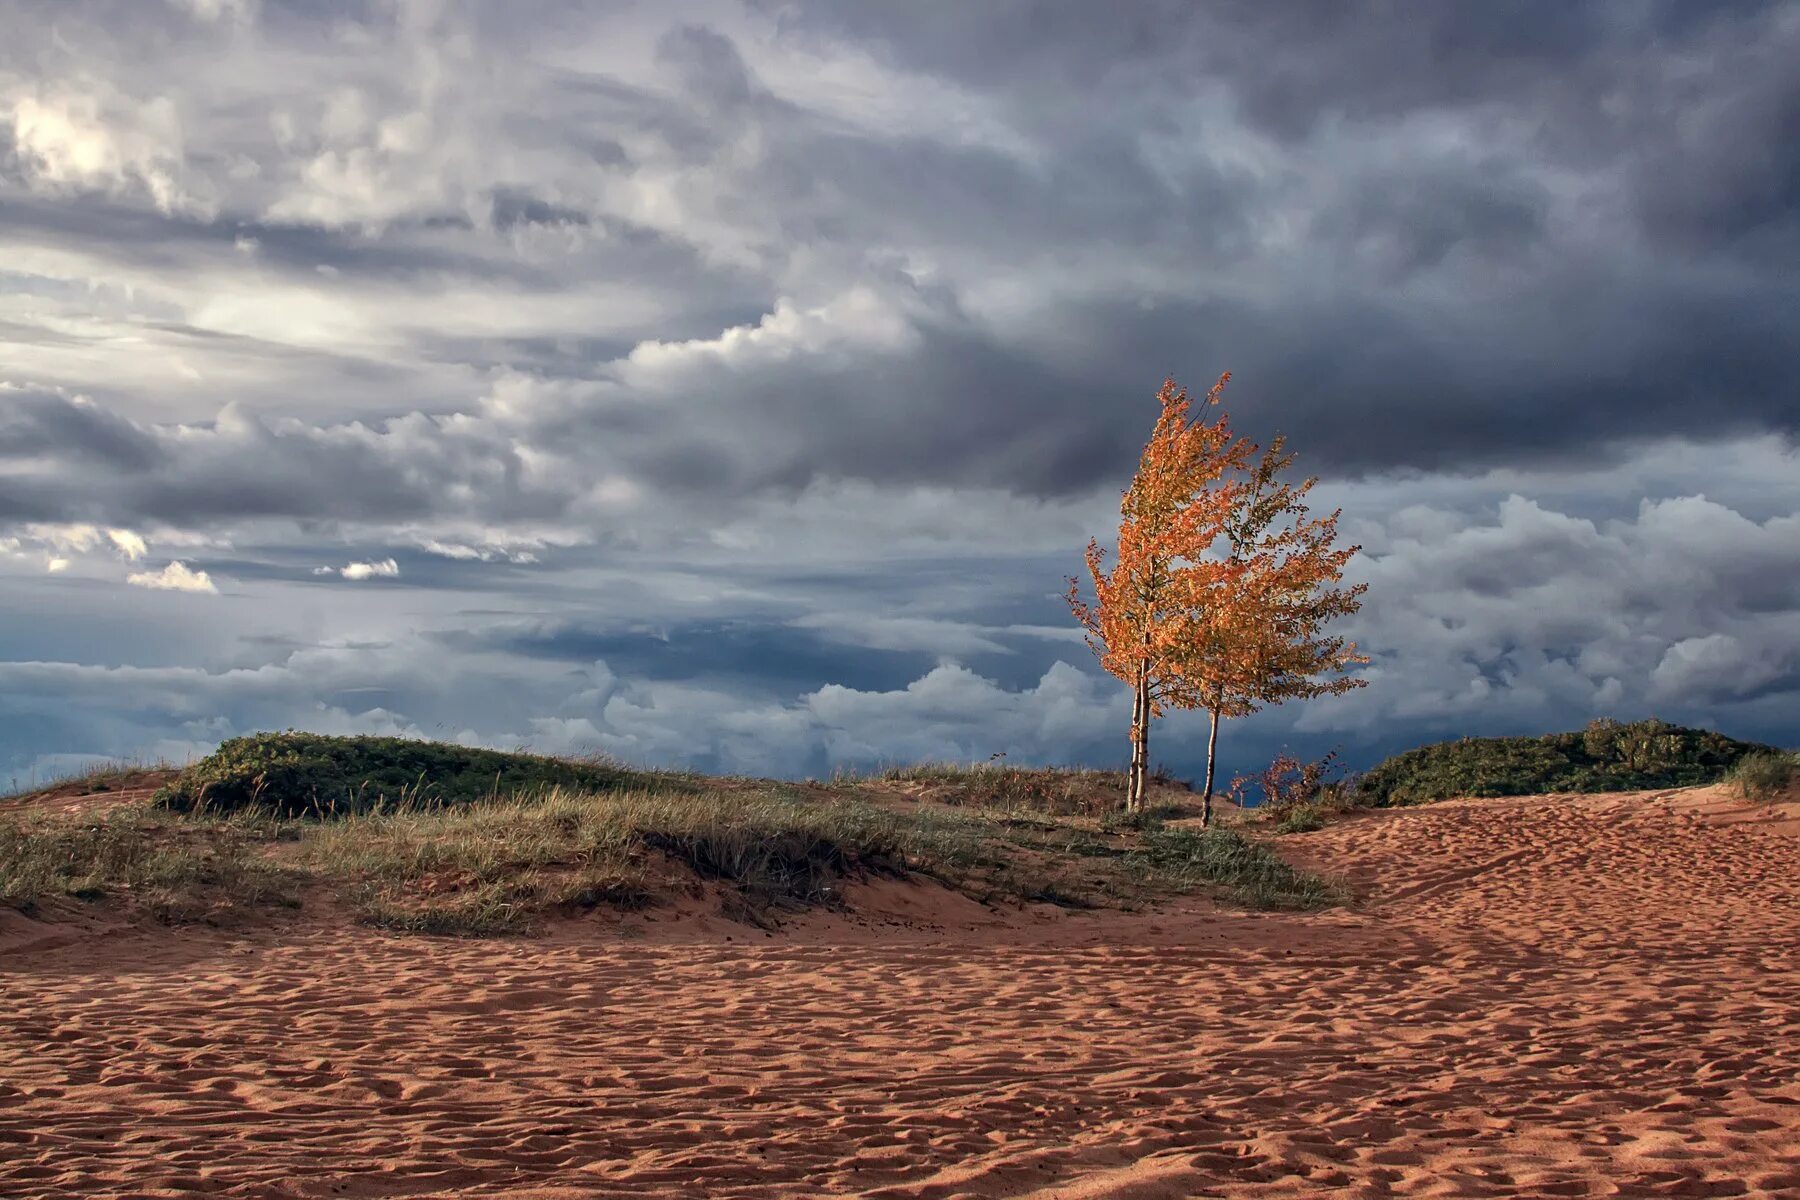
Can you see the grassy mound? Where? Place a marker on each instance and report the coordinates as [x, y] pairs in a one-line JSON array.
[[1608, 756], [509, 862], [497, 867], [308, 774]]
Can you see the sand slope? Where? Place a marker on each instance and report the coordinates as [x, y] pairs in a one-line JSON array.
[[1568, 997]]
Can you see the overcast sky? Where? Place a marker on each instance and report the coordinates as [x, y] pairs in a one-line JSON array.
[[734, 385]]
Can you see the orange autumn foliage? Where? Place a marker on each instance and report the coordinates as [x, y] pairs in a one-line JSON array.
[[1222, 585]]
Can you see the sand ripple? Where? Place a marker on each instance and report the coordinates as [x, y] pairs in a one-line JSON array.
[[1580, 998]]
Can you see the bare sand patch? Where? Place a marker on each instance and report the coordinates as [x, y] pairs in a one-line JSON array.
[[1550, 996]]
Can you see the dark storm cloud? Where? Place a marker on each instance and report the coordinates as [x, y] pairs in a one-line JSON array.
[[1582, 370], [1602, 346], [1730, 172], [769, 659], [956, 408], [1601, 372], [242, 468], [816, 337], [35, 425], [1406, 224], [1693, 108], [1291, 67], [180, 242], [514, 207], [1444, 293]]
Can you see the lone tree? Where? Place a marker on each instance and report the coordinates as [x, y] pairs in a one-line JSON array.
[[1269, 644], [1222, 585]]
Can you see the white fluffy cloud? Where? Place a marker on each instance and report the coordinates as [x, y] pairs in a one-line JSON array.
[[88, 137], [513, 552], [79, 538], [954, 714], [176, 577], [1534, 617], [386, 568], [129, 544]]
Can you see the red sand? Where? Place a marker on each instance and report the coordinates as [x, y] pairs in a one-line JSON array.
[[1540, 997]]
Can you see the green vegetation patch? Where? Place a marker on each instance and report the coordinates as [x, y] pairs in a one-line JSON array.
[[1244, 869], [1608, 756], [1301, 818], [309, 774]]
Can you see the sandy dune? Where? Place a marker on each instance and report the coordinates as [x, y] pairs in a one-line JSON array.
[[1568, 997], [75, 799]]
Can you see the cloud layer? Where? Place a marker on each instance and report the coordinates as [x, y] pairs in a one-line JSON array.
[[809, 343]]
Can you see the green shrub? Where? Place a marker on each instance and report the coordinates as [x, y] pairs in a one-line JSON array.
[[309, 774], [1763, 775], [1302, 818], [1606, 757], [1248, 871]]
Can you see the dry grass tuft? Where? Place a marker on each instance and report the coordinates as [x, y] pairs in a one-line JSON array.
[[1762, 777], [160, 867]]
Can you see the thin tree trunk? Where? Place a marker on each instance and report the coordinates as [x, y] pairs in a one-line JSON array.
[[1143, 786], [1137, 728], [1140, 749], [1212, 747], [1140, 740]]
